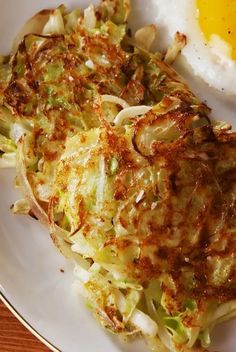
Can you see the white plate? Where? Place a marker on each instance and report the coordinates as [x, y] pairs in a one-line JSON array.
[[30, 278]]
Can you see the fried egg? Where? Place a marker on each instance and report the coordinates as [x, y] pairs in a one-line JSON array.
[[210, 26]]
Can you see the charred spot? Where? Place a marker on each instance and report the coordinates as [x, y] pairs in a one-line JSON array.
[[204, 134], [123, 244], [204, 237], [162, 253], [32, 215], [144, 269], [173, 181], [14, 88], [17, 96], [120, 191], [34, 85], [22, 47], [98, 15], [50, 156]]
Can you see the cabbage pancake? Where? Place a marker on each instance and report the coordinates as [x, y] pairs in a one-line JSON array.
[[116, 155], [155, 212], [50, 86]]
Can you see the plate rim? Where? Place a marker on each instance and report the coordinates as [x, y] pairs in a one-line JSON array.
[[26, 324]]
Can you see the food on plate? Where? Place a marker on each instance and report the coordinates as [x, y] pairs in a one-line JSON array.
[[210, 28], [120, 160]]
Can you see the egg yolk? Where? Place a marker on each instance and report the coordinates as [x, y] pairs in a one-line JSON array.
[[218, 17]]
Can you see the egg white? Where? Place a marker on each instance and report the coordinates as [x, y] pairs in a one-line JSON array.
[[209, 60]]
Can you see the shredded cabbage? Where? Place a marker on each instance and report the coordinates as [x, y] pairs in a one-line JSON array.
[[55, 24], [89, 17], [72, 20]]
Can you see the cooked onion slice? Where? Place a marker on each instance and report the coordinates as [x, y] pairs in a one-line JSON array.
[[106, 98], [130, 112]]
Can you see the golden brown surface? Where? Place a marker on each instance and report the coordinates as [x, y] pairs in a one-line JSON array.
[[14, 337]]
